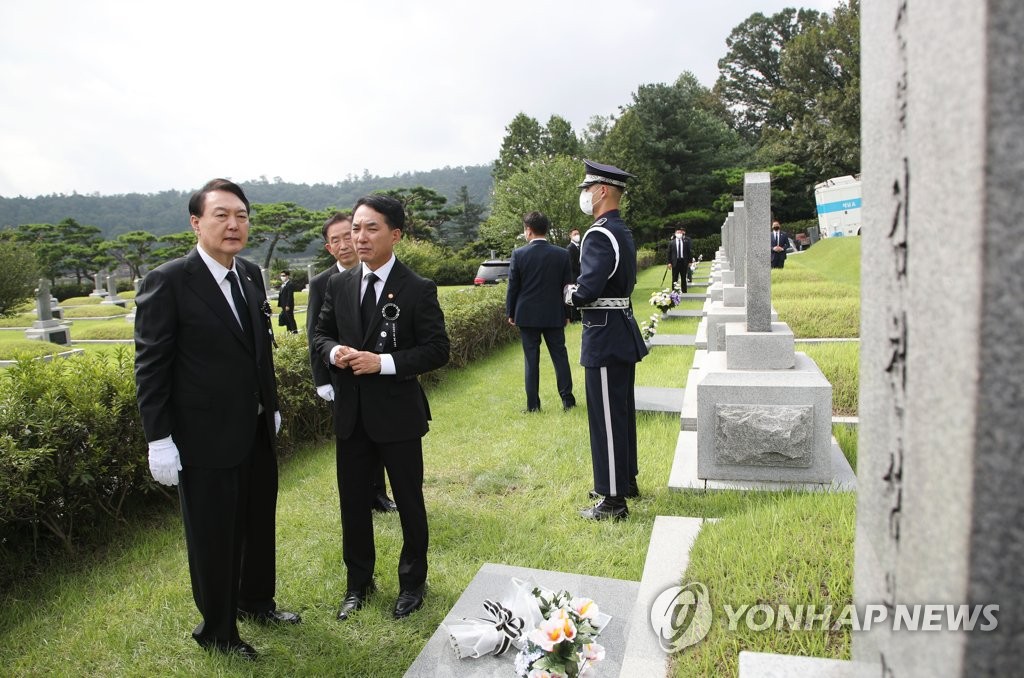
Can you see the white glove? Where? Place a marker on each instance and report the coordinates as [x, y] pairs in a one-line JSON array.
[[277, 422], [326, 392], [164, 461], [568, 291]]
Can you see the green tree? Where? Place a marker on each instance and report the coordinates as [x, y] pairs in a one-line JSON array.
[[558, 138], [463, 227], [592, 143], [521, 144], [751, 72], [65, 248], [19, 274], [282, 224], [132, 249], [425, 211], [547, 185], [172, 246], [789, 189], [672, 137], [821, 72]]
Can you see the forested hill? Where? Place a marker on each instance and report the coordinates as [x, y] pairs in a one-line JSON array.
[[167, 211]]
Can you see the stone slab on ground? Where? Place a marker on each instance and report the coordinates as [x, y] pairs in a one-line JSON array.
[[658, 399], [765, 665], [613, 596], [673, 339], [688, 413], [683, 475], [668, 556], [685, 313], [693, 295]]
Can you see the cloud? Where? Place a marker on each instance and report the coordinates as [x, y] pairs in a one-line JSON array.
[[115, 96]]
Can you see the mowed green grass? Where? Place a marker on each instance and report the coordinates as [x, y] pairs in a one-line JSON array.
[[500, 486]]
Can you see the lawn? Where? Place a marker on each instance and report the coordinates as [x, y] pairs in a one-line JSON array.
[[501, 486]]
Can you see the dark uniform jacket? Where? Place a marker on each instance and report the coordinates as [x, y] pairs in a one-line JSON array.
[[537, 273], [608, 270]]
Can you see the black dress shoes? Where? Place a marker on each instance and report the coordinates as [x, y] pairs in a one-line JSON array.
[[270, 618], [238, 648], [408, 602], [568, 404], [382, 503], [354, 600], [609, 508]]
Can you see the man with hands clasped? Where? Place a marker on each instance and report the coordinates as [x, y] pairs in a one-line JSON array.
[[207, 395]]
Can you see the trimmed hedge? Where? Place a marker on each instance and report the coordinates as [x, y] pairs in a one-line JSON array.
[[72, 450]]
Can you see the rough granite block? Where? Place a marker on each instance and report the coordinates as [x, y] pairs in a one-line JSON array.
[[804, 386], [734, 295]]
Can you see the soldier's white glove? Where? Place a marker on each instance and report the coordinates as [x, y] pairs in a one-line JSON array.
[[326, 392], [568, 291], [164, 461], [277, 422]]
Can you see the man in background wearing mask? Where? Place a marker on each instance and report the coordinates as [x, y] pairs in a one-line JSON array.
[[573, 248], [286, 302], [612, 344], [780, 243], [337, 234], [679, 256]]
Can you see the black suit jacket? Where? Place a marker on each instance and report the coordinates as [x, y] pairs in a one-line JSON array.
[[198, 376], [537, 273], [317, 290], [574, 259], [673, 251], [394, 407], [286, 297]]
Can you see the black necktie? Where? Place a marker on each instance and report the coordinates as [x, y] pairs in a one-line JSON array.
[[368, 308], [240, 306]]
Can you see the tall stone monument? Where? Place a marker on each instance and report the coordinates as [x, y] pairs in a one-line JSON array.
[[940, 513], [98, 291], [112, 297], [46, 328]]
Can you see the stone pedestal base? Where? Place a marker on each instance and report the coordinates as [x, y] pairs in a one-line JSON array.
[[734, 295], [114, 301], [764, 425], [728, 276], [55, 333], [759, 350], [718, 315]]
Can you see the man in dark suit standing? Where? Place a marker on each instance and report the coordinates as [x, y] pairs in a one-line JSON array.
[[286, 302], [533, 303], [780, 244], [679, 256], [379, 327], [573, 248], [206, 390], [337, 234]]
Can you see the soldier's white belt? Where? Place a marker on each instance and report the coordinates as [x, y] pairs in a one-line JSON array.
[[608, 302]]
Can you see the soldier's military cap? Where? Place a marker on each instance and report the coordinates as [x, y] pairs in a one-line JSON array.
[[596, 173]]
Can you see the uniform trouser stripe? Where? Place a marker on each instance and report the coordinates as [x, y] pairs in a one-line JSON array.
[[608, 433]]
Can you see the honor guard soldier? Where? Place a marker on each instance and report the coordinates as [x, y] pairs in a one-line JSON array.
[[612, 344]]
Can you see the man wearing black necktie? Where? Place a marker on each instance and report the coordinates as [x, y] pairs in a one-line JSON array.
[[679, 256], [207, 395], [379, 327], [780, 243]]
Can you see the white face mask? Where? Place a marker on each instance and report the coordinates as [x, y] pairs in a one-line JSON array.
[[679, 236], [576, 238], [586, 202]]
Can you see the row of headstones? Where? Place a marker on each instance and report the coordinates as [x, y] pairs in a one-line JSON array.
[[764, 412]]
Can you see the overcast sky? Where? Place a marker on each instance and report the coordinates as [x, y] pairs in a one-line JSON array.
[[128, 96]]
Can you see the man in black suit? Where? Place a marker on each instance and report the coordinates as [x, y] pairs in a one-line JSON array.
[[573, 248], [206, 390], [379, 327], [679, 256], [286, 302], [337, 234], [534, 303], [780, 244]]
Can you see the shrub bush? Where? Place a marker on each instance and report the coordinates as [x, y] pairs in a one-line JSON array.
[[72, 450], [67, 290], [115, 329]]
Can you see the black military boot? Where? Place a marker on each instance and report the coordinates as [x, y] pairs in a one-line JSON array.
[[613, 508]]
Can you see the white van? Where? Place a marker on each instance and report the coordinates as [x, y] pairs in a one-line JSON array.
[[839, 202]]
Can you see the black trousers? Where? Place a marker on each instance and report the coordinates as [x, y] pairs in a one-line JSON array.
[[611, 410], [289, 321], [357, 460], [679, 271], [229, 517], [554, 337]]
